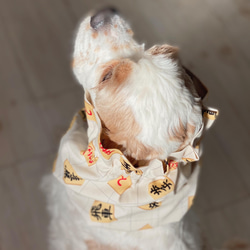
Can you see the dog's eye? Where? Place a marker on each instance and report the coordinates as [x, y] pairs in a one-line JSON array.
[[107, 76]]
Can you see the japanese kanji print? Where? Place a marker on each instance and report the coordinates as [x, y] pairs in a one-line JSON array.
[[128, 167], [211, 115], [89, 154], [102, 212], [160, 188], [70, 176], [151, 205]]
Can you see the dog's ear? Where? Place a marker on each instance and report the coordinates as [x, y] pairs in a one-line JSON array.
[[164, 50], [198, 85]]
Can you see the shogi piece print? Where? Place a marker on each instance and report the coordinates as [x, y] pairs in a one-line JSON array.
[[160, 188], [172, 164], [190, 155], [102, 212], [89, 154], [188, 159], [89, 111], [151, 205], [146, 227], [190, 201], [121, 184], [107, 153], [209, 114], [82, 113], [70, 176], [128, 167]]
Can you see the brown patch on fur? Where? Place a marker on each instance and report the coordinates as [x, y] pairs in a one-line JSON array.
[[165, 49], [120, 125], [126, 46], [105, 32], [115, 48], [183, 134], [123, 46], [76, 61], [189, 135], [115, 26], [130, 32], [119, 71], [122, 72], [106, 68], [94, 35], [180, 133]]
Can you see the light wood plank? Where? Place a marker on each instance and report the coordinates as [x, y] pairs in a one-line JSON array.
[[40, 33]]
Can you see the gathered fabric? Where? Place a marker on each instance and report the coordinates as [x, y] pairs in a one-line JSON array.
[[111, 193]]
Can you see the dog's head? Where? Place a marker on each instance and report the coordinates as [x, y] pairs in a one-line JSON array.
[[144, 98]]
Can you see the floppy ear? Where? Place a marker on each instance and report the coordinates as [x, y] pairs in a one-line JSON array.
[[198, 85], [164, 50]]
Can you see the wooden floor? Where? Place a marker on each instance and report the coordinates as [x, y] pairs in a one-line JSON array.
[[39, 95]]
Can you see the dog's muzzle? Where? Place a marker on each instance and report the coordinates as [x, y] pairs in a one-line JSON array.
[[102, 17]]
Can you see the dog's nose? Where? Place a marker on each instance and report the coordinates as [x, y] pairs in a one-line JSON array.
[[102, 17]]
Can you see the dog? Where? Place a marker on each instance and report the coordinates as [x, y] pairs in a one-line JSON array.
[[127, 168]]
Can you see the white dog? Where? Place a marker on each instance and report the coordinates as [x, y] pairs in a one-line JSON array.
[[126, 177]]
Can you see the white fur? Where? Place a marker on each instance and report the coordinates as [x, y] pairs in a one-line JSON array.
[[155, 92], [159, 100]]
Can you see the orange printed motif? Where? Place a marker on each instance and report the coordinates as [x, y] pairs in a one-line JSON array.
[[89, 111], [128, 167], [151, 205], [102, 212], [188, 159], [120, 184], [70, 176], [172, 165], [146, 227], [89, 154], [160, 188]]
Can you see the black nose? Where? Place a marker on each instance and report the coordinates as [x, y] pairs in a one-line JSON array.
[[102, 17]]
